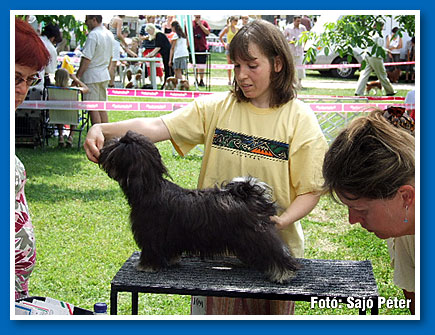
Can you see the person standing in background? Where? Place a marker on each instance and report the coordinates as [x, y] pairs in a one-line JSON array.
[[201, 30], [179, 55], [230, 30], [394, 44], [94, 64], [116, 28], [374, 63], [292, 33], [50, 36]]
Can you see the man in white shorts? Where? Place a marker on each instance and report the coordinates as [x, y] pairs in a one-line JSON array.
[[94, 64]]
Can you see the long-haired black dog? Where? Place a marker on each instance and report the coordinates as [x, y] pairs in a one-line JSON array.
[[168, 220]]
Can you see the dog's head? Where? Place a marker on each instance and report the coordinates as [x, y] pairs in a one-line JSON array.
[[134, 162], [184, 85], [171, 83]]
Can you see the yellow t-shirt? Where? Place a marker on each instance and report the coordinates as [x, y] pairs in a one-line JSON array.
[[283, 147]]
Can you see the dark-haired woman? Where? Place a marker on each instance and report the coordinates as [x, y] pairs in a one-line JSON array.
[[179, 55], [258, 129]]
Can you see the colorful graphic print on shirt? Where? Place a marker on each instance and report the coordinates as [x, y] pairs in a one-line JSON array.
[[251, 145]]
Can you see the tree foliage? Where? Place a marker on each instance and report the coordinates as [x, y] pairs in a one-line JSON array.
[[352, 31], [67, 24]]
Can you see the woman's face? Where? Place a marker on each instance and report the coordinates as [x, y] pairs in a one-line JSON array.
[[150, 31], [25, 73], [383, 217], [253, 77]]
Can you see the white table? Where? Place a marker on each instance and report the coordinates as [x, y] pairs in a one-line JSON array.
[[151, 60]]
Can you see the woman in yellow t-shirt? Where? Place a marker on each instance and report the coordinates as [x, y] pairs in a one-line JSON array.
[[259, 128]]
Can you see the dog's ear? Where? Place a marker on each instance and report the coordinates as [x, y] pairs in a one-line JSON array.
[[135, 163]]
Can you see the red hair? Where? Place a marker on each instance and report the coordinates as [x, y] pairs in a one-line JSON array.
[[30, 51]]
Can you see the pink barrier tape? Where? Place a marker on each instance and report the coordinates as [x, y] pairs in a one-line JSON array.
[[305, 66], [215, 44], [76, 61], [172, 106], [126, 92], [339, 66], [194, 94]]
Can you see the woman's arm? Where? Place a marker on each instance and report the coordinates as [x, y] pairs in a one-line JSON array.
[[222, 34], [154, 128], [171, 53], [299, 208], [84, 88], [154, 52]]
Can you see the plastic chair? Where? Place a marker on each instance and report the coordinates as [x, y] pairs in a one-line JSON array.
[[79, 118]]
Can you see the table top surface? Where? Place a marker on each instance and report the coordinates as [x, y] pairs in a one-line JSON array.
[[229, 277]]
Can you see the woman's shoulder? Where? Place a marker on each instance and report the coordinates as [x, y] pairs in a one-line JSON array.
[[298, 109], [216, 98]]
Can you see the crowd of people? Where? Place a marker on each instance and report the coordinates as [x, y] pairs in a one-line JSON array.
[[261, 107]]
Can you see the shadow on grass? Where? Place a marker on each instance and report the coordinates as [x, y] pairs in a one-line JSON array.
[[52, 193], [49, 161]]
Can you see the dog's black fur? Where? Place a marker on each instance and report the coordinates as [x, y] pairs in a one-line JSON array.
[[168, 220]]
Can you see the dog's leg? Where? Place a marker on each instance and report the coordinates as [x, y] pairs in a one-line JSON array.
[[268, 253], [146, 264]]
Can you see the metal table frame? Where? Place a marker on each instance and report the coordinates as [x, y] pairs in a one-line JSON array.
[[325, 279]]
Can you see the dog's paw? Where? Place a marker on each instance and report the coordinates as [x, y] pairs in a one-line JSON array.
[[281, 276], [175, 260], [146, 268]]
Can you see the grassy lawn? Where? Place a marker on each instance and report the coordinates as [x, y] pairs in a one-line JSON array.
[[81, 221]]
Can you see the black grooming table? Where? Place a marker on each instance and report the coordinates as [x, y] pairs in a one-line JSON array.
[[228, 277]]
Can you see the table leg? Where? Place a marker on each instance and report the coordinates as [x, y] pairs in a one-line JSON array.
[[153, 75], [375, 309], [134, 303], [113, 302], [121, 74]]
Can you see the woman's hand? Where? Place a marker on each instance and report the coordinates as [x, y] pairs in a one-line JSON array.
[[93, 143], [279, 222]]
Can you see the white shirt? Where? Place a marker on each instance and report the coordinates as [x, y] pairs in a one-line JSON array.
[[180, 47], [292, 34], [98, 48], [52, 65]]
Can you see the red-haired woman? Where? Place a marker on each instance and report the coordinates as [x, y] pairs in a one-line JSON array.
[[31, 56]]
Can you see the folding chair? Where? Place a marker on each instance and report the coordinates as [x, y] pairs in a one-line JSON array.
[[79, 118], [29, 124]]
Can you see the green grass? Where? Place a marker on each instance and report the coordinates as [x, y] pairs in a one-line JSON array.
[[81, 221]]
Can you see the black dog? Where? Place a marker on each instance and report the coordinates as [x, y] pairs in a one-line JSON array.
[[168, 220]]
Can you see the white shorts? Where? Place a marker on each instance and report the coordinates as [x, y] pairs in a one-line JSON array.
[[300, 71]]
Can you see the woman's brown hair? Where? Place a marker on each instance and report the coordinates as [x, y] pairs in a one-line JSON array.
[[370, 158]]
